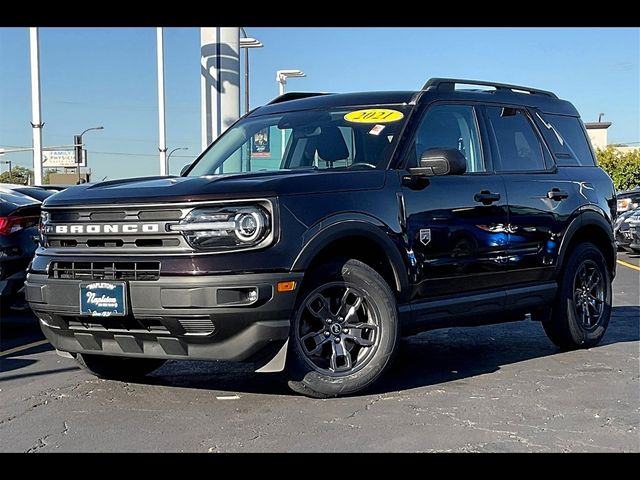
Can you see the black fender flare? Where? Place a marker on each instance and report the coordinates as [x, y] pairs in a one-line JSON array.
[[341, 226], [585, 218]]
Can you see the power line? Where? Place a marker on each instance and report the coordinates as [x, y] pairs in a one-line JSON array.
[[112, 153], [138, 154]]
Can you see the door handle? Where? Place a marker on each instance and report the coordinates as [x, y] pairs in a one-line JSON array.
[[557, 194], [486, 197]]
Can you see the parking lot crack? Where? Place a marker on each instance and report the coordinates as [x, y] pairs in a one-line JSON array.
[[40, 443], [365, 408]]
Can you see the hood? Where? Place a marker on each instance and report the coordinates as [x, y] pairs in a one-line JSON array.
[[218, 187]]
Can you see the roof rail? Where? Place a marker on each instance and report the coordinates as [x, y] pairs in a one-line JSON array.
[[450, 83], [295, 96]]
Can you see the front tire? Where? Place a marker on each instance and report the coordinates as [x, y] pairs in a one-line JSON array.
[[344, 331], [582, 309], [118, 368]]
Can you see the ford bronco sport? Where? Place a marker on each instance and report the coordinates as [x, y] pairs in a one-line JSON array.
[[320, 228]]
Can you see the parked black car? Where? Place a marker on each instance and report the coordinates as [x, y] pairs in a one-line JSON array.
[[36, 192], [19, 217], [320, 228], [622, 229], [634, 231]]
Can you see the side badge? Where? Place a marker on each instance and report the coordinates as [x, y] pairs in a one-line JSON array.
[[425, 236]]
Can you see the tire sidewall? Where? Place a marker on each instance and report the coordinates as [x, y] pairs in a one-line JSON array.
[[302, 377], [580, 336]]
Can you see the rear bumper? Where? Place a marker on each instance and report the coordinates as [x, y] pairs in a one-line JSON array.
[[12, 275], [177, 317]]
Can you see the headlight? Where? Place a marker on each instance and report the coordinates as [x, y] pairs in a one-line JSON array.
[[624, 204], [225, 227]]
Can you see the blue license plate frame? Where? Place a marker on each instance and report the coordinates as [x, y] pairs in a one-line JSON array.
[[103, 298]]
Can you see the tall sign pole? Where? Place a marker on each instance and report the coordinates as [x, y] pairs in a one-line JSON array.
[[36, 121], [161, 110], [219, 80]]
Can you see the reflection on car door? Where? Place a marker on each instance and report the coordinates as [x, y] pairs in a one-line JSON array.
[[540, 198]]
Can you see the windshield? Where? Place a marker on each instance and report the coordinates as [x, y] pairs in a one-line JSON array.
[[345, 137]]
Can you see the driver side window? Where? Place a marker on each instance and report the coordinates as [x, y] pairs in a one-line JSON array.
[[449, 126]]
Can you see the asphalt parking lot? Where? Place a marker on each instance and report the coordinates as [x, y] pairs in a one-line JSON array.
[[495, 388]]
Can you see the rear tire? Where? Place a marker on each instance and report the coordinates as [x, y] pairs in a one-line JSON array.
[[118, 368], [582, 309], [344, 330]]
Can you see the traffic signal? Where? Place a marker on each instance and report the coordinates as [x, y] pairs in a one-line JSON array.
[[77, 142]]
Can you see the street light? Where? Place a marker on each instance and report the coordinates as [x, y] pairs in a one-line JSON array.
[[10, 172], [247, 43], [169, 156], [77, 141], [281, 78], [282, 75]]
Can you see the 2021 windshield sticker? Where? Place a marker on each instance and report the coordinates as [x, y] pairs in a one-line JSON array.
[[374, 115]]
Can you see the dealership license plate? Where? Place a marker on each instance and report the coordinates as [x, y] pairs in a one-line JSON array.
[[103, 299]]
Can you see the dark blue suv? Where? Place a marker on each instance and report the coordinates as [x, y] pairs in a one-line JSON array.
[[320, 228]]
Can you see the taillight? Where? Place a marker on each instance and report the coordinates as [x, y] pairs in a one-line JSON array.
[[9, 225]]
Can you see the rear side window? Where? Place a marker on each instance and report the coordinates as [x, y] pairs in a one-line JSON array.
[[519, 147], [567, 139]]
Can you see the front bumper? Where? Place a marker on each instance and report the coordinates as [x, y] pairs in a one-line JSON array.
[[175, 317]]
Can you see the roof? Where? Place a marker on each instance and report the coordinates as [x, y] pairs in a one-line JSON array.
[[336, 100], [596, 125], [311, 101]]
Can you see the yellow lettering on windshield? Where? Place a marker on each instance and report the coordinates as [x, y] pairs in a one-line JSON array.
[[374, 115]]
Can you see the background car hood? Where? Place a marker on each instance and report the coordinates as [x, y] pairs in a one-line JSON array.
[[215, 187]]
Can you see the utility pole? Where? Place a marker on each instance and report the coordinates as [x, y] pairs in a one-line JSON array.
[[36, 121], [162, 148]]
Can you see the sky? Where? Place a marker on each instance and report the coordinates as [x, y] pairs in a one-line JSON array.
[[107, 76]]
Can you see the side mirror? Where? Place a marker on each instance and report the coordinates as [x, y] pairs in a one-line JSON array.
[[440, 161], [185, 168]]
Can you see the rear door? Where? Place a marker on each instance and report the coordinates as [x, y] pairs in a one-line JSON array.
[[541, 199]]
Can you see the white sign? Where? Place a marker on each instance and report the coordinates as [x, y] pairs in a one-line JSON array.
[[62, 158]]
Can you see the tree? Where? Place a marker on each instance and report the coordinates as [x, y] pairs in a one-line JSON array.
[[622, 167], [19, 175], [46, 179]]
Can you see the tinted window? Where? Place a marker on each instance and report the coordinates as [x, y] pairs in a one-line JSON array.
[[566, 138], [519, 148], [450, 126]]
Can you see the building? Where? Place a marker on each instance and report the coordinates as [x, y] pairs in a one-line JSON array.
[[597, 132]]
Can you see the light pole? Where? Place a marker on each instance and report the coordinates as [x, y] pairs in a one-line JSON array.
[[8, 162], [162, 148], [169, 156], [77, 141], [282, 75], [247, 43], [36, 112], [281, 78]]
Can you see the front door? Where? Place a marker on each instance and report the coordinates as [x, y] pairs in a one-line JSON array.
[[455, 223]]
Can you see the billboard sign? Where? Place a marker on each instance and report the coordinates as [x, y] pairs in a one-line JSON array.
[[62, 158]]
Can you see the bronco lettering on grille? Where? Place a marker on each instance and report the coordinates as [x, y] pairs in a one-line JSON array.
[[103, 228]]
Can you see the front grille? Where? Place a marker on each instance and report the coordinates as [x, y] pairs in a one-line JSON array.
[[101, 242], [105, 270], [116, 239]]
